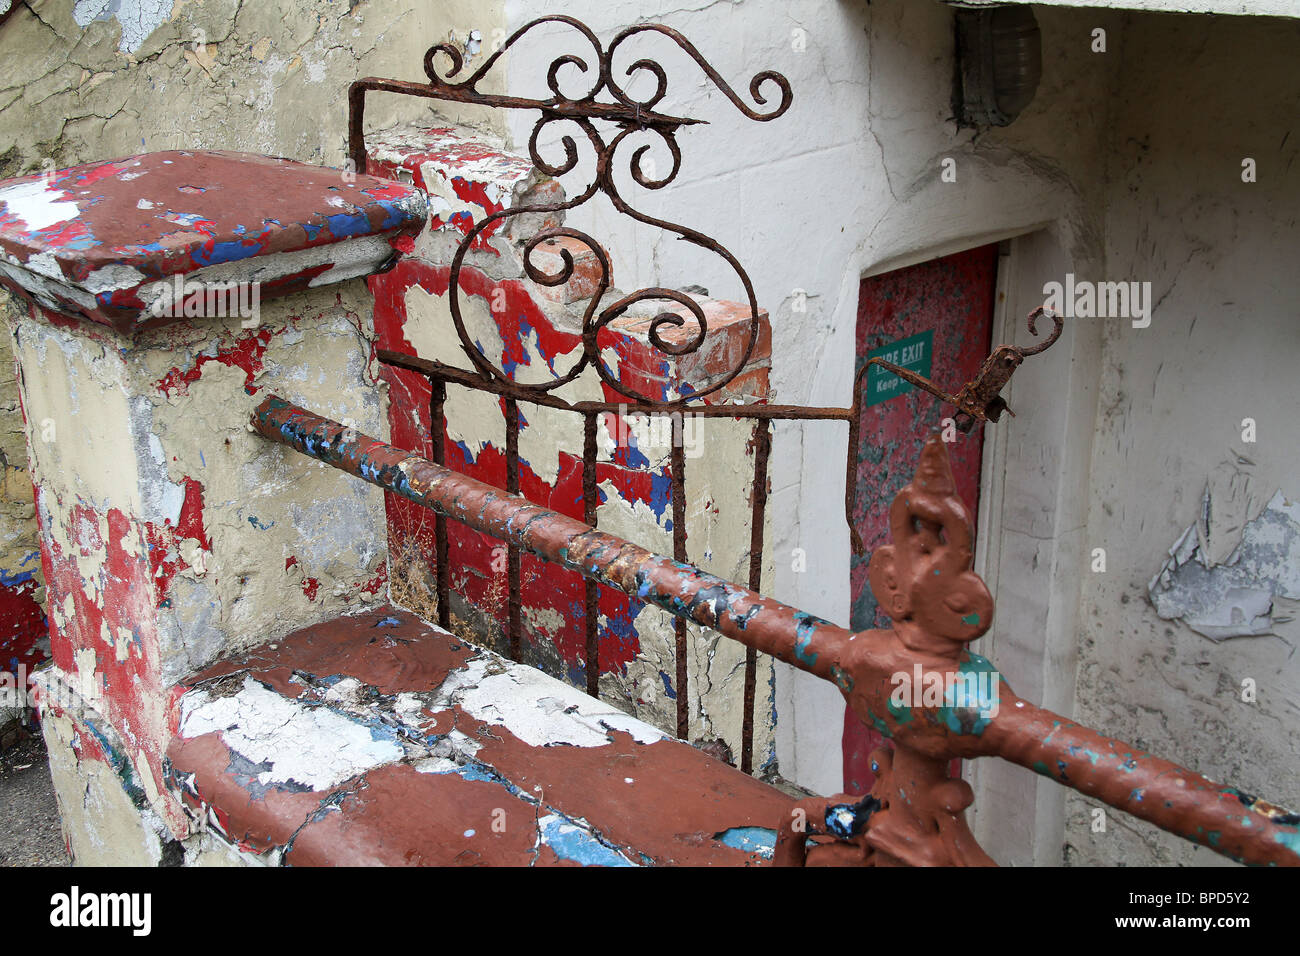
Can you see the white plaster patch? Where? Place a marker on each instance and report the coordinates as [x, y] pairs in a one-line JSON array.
[[1232, 597], [312, 746], [115, 276]]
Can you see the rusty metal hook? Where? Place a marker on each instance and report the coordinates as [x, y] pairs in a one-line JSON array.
[[1052, 337]]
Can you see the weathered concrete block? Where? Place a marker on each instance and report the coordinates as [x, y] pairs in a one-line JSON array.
[[169, 534]]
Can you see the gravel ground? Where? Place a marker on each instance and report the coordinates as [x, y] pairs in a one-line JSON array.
[[29, 817]]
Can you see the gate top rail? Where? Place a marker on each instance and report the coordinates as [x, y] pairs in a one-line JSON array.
[[938, 605]]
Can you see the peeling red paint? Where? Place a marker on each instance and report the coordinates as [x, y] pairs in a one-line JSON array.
[[164, 540], [663, 802], [112, 615], [547, 589], [144, 218]]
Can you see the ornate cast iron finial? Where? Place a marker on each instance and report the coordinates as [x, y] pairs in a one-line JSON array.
[[938, 604]]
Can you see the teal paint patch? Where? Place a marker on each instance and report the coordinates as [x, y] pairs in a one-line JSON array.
[[1090, 755], [913, 353], [843, 680], [1289, 839], [804, 628], [971, 696], [801, 644], [901, 713], [972, 619], [884, 728]]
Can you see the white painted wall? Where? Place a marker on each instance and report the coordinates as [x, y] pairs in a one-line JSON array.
[[1223, 345]]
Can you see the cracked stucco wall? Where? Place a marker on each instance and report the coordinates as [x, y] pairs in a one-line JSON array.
[[175, 534], [1221, 348], [223, 74]]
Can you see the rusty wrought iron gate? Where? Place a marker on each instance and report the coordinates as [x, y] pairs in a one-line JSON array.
[[914, 814]]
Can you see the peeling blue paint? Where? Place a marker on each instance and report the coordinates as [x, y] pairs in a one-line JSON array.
[[760, 840], [572, 842]]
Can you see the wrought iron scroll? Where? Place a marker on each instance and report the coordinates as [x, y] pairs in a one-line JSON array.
[[605, 101]]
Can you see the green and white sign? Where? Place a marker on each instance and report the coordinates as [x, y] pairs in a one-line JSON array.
[[912, 353]]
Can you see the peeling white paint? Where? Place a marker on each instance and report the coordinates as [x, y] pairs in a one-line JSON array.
[[1232, 597], [38, 204], [537, 708], [311, 746], [138, 18]]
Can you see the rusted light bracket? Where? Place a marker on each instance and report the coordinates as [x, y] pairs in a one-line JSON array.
[[979, 400]]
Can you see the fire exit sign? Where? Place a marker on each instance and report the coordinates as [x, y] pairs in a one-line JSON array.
[[912, 353]]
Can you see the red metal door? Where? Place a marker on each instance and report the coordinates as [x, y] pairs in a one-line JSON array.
[[937, 314]]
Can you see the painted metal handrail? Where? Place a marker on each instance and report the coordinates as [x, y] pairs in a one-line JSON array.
[[924, 580]]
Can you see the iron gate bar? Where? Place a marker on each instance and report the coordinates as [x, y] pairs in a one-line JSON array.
[[978, 399], [591, 590], [993, 376], [758, 515], [437, 439], [925, 737]]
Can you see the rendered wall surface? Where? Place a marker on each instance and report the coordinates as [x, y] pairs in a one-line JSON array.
[[83, 81], [24, 641], [1222, 347]]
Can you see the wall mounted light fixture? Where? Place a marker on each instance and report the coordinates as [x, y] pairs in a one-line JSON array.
[[999, 63]]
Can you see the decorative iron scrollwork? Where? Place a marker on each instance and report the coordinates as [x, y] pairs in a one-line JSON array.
[[606, 101]]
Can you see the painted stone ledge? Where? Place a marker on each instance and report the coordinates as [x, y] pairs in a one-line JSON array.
[[169, 536], [533, 332], [379, 739], [94, 240]]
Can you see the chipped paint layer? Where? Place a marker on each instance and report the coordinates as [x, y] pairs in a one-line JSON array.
[[96, 239], [532, 333], [1233, 595], [429, 724], [285, 744], [157, 509]]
